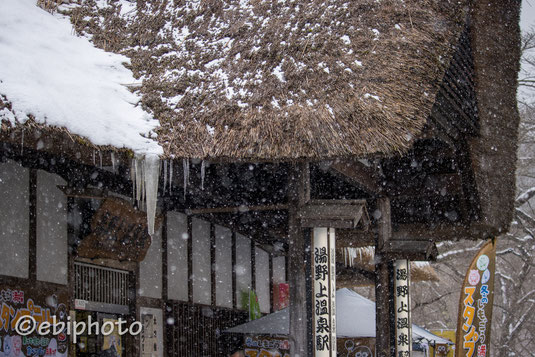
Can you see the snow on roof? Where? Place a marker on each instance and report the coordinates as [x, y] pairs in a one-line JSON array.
[[64, 81], [277, 80]]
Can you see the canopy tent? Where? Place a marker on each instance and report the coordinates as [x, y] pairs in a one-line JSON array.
[[355, 317], [420, 334]]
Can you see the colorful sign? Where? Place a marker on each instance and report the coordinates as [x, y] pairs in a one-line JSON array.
[[443, 350], [254, 306], [118, 231], [266, 346], [16, 304], [281, 296], [112, 342], [402, 312], [475, 305], [324, 304]]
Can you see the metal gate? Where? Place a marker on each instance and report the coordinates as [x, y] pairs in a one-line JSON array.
[[101, 288]]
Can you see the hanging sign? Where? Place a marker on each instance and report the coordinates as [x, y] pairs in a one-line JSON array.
[[266, 346], [402, 315], [324, 304], [475, 305], [118, 231]]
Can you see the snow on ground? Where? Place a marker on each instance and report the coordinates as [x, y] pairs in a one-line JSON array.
[[62, 80]]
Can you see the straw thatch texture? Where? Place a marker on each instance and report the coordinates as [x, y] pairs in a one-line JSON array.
[[496, 49], [282, 80]]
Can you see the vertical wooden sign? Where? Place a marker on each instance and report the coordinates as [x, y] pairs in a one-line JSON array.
[[324, 304], [402, 313]]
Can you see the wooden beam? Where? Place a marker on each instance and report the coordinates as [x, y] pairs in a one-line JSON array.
[[234, 275], [342, 269], [165, 281], [354, 238], [236, 209], [334, 214], [297, 263], [442, 232], [32, 237], [382, 282], [357, 172], [433, 185], [412, 250], [88, 192], [415, 232]]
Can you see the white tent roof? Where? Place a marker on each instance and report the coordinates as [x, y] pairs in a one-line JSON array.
[[277, 323], [355, 317], [419, 333]]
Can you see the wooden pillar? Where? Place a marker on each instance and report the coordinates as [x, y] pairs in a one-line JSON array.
[[32, 241], [383, 303], [298, 195]]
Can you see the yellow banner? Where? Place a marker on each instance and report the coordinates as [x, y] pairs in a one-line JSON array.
[[475, 305]]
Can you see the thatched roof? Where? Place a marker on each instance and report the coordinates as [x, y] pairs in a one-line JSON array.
[[496, 50], [282, 80]]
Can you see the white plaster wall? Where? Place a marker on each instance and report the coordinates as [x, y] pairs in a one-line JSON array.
[[279, 269], [51, 255], [14, 219], [177, 256], [262, 279], [243, 267], [150, 269], [223, 266], [158, 314], [202, 269]]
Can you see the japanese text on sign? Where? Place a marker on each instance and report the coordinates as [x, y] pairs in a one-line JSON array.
[[402, 316], [323, 273]]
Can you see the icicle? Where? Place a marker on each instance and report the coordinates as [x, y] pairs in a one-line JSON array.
[[170, 176], [139, 179], [164, 175], [185, 164], [203, 170], [113, 161], [100, 158], [152, 175], [94, 162], [133, 178], [143, 187]]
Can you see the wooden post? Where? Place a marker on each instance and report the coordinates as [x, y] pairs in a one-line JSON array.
[[298, 194], [383, 304]]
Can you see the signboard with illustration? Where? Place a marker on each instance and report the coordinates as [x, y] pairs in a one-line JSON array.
[[17, 305], [112, 343], [475, 305], [266, 346], [356, 347]]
